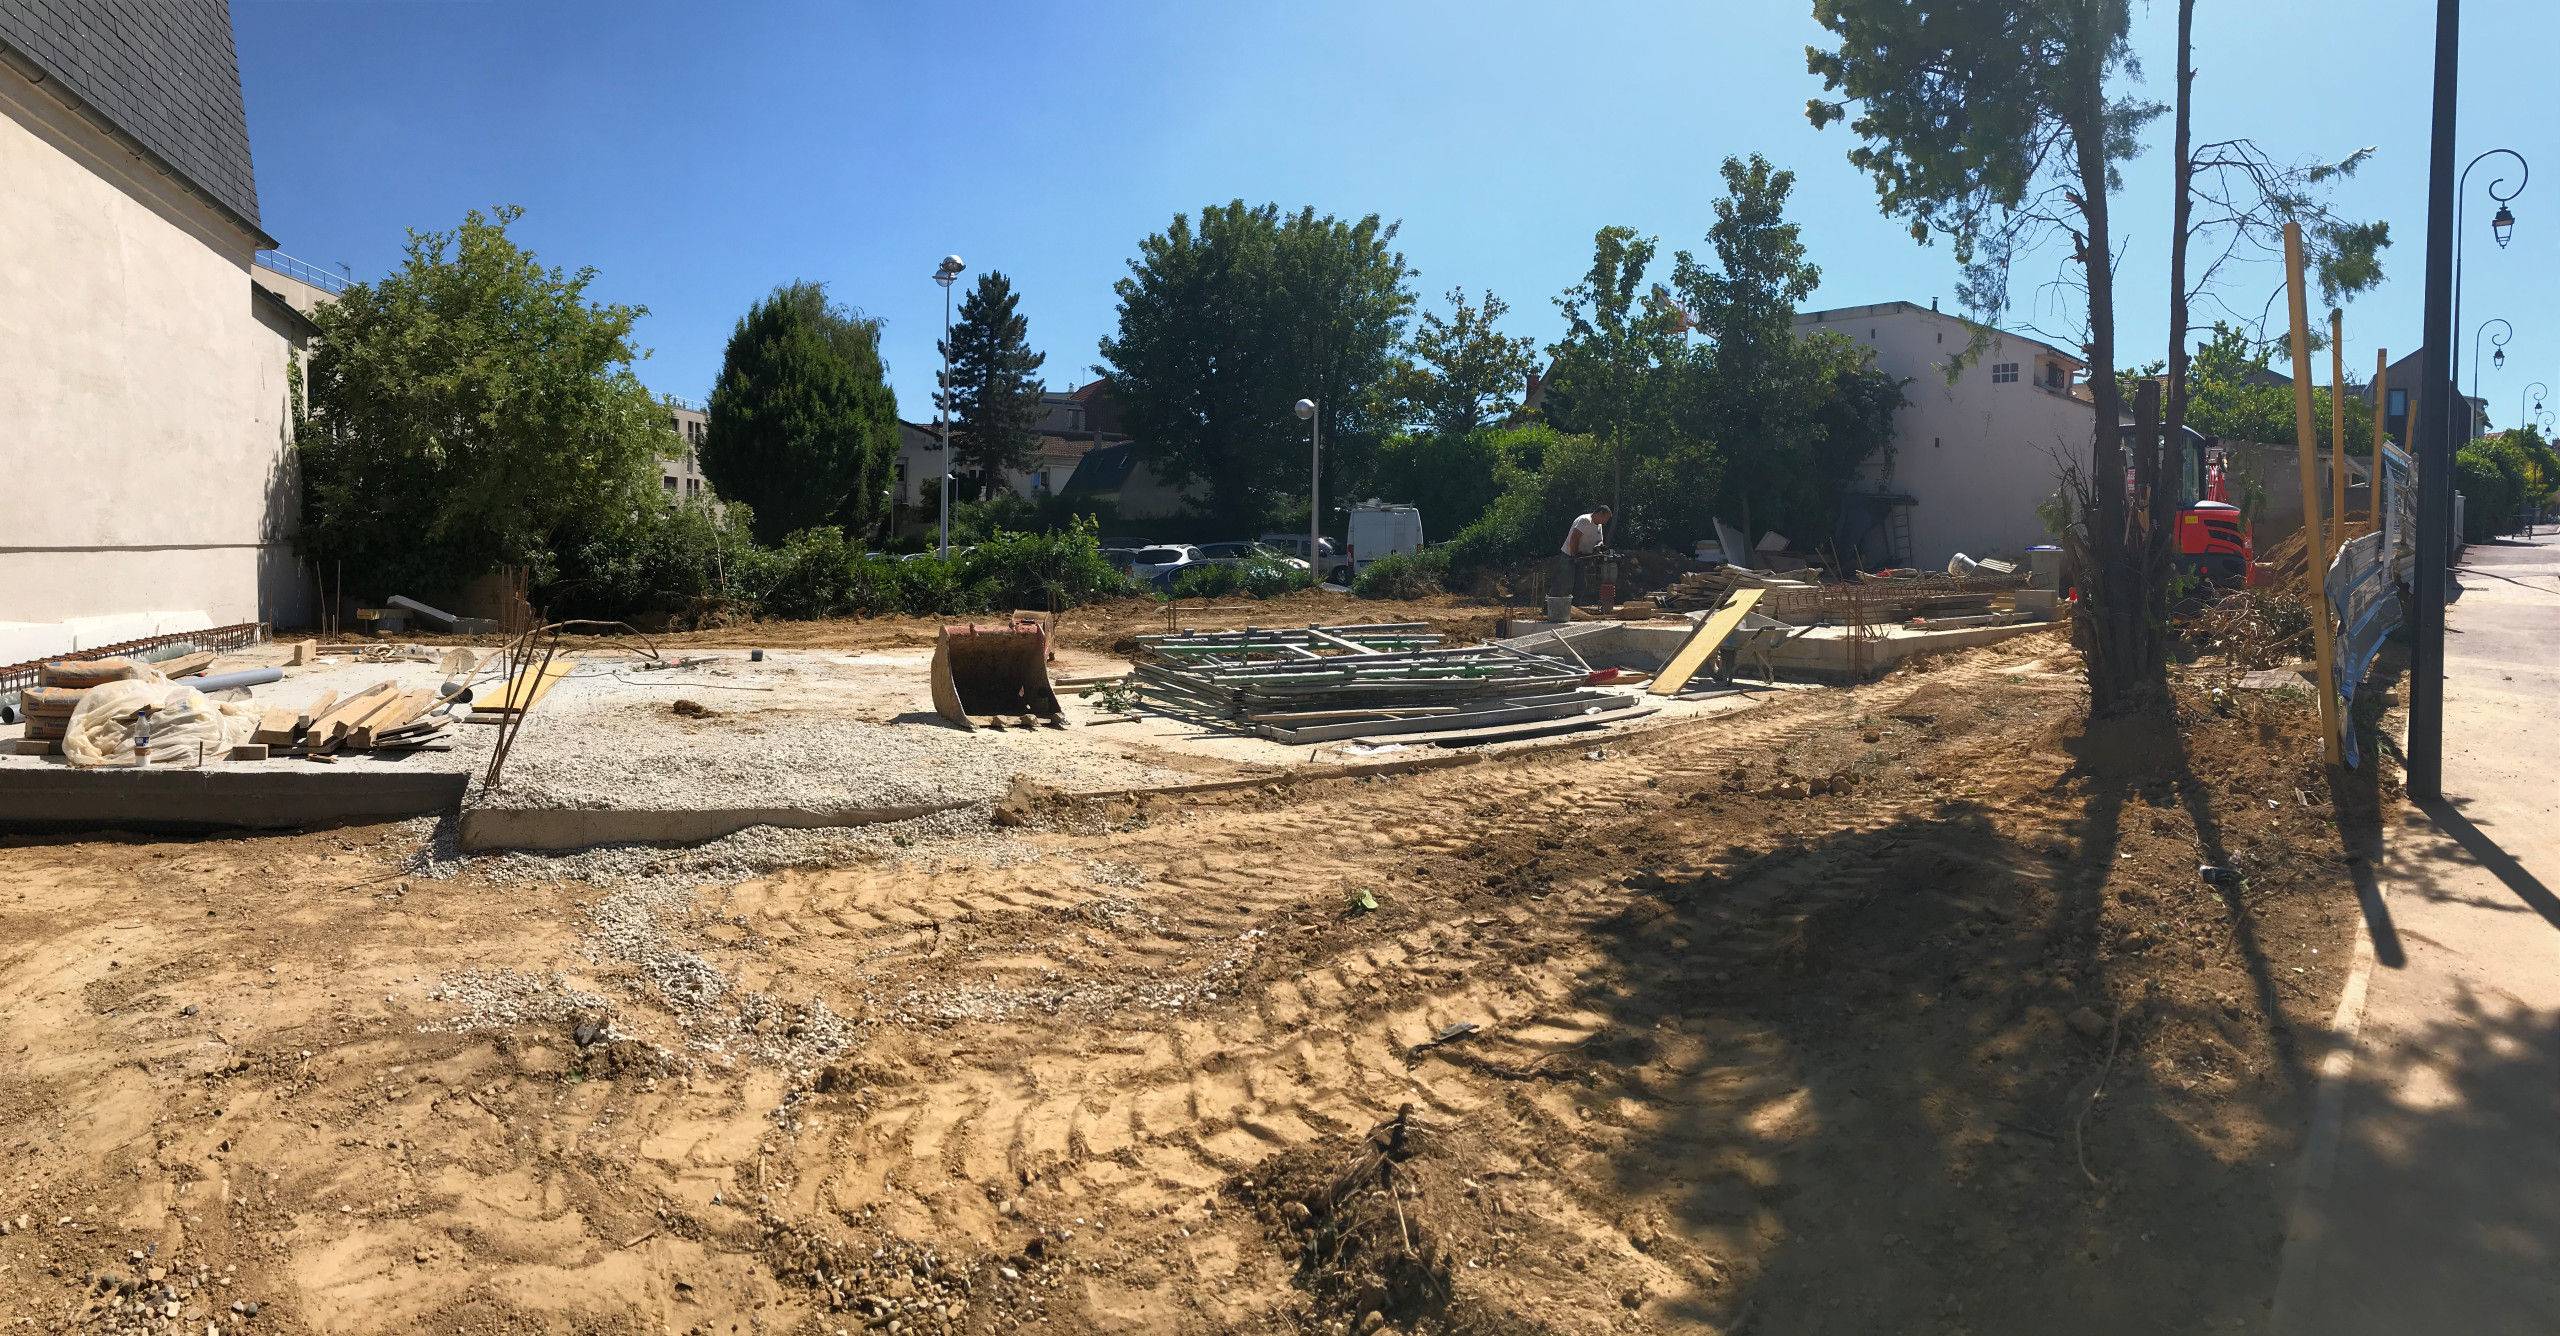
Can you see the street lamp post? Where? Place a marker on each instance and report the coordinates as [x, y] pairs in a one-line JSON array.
[[2532, 394], [2505, 332], [1315, 485], [2501, 228], [947, 274]]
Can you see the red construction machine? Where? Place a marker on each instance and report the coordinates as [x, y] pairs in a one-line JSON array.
[[2212, 541]]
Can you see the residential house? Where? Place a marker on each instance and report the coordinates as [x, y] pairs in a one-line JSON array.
[[1971, 461], [2402, 379], [1070, 425], [143, 354]]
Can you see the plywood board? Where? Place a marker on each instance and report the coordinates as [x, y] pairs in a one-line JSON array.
[[1710, 637], [525, 691]]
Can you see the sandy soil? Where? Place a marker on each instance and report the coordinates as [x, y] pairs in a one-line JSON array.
[[1895, 1009]]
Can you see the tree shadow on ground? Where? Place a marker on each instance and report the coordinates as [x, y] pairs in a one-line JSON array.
[[1923, 1080], [2450, 1121]]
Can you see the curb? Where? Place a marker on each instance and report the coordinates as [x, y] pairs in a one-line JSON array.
[[2307, 1224]]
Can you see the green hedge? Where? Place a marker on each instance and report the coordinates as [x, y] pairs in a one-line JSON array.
[[665, 562], [1415, 575], [1253, 579]]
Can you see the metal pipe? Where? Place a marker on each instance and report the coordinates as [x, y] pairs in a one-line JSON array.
[[247, 677]]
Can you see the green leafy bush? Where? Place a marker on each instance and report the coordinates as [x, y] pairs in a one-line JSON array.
[[658, 559], [1253, 579], [1417, 575], [1024, 570]]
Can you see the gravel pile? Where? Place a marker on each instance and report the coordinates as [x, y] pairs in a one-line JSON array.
[[506, 999]]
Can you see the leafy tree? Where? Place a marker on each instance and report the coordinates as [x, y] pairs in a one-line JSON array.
[[1462, 371], [2232, 397], [1224, 328], [1996, 123], [994, 397], [465, 409], [804, 426], [1794, 417]]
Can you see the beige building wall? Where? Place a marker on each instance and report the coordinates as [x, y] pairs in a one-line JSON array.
[[148, 442], [1980, 455]]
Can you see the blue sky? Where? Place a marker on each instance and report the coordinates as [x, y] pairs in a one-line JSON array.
[[697, 155]]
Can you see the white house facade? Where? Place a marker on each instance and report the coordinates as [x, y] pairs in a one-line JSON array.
[[1974, 458], [143, 364]]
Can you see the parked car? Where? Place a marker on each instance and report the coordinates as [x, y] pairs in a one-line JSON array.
[[1161, 562], [1241, 553], [1294, 546], [1121, 558]]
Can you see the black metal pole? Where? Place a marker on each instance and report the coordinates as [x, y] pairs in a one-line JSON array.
[[2428, 435]]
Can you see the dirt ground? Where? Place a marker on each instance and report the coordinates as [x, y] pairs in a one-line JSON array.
[[1901, 1008]]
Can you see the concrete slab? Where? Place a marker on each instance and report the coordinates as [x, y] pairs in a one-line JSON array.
[[218, 798], [1822, 653]]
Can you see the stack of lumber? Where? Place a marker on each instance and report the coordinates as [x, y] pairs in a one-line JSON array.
[[380, 718], [1325, 683]]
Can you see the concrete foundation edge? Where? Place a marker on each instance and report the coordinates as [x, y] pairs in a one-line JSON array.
[[491, 828], [55, 799]]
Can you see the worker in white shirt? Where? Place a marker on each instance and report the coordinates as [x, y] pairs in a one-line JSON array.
[[1587, 536]]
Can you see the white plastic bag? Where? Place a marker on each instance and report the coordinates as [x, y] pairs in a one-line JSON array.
[[184, 725]]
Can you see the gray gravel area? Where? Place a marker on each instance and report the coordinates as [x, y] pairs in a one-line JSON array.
[[797, 730]]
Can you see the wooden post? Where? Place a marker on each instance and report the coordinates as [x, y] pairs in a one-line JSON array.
[[2337, 530], [2381, 409], [2307, 443]]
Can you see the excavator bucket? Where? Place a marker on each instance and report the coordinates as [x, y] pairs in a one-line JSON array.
[[984, 671]]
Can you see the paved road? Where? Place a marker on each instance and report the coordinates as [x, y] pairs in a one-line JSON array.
[[2437, 1206]]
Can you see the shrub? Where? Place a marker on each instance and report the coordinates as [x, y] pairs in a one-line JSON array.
[[1259, 578], [660, 559], [1403, 576], [2490, 489], [1024, 570], [811, 575]]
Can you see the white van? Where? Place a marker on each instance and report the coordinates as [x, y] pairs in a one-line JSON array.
[[1378, 529]]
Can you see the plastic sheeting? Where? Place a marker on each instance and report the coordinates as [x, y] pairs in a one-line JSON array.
[[184, 725], [2365, 598]]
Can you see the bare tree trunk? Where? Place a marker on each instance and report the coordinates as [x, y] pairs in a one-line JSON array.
[[2182, 173]]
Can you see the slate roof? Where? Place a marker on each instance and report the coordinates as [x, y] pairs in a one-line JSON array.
[[164, 72]]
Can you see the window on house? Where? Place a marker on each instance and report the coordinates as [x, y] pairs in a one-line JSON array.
[[2399, 404], [2003, 373], [670, 481], [693, 487]]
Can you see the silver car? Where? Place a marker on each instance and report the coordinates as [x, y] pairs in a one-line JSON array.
[[1161, 562]]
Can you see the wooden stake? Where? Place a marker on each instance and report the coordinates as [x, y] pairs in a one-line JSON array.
[[2307, 443], [2337, 430], [2381, 405]]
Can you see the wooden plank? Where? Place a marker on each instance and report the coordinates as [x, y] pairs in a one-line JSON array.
[[186, 665], [392, 713], [526, 691], [326, 733], [1709, 638], [275, 728], [246, 751], [315, 710]]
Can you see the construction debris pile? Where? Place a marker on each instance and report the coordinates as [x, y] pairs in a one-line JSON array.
[[1327, 683]]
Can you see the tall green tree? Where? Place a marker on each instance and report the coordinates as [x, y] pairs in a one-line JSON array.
[[1224, 327], [1999, 123], [1793, 417], [994, 395], [803, 424], [464, 410], [1461, 373]]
